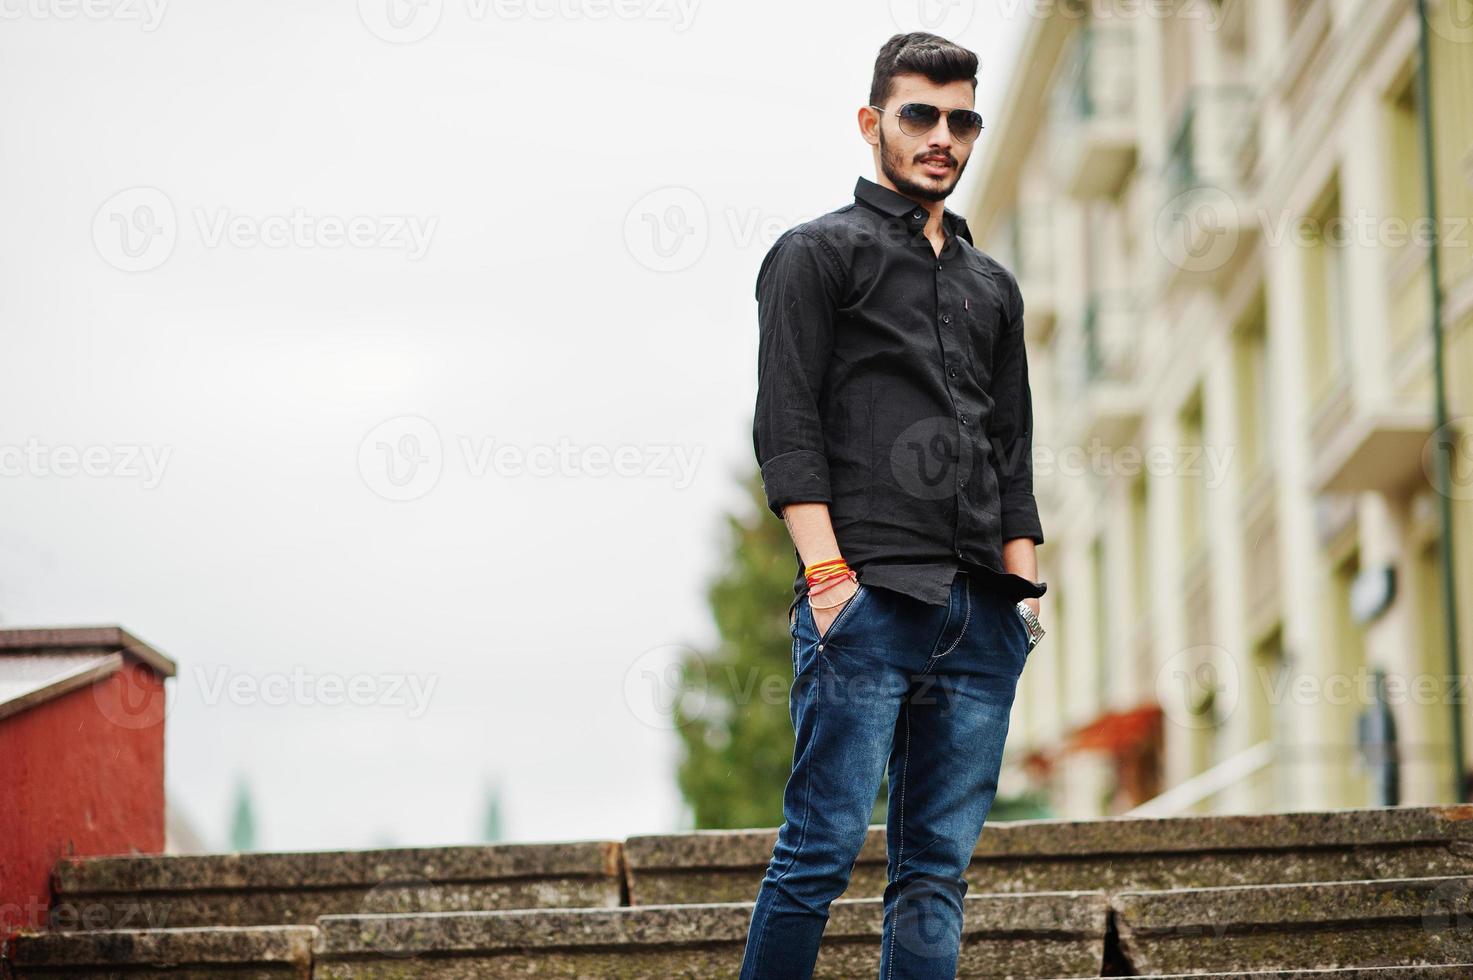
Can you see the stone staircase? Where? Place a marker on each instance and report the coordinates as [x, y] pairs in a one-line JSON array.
[[1342, 894]]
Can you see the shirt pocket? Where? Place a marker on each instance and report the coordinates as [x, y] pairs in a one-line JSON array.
[[981, 323]]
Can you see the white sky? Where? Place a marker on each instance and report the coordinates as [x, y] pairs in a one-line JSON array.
[[530, 145]]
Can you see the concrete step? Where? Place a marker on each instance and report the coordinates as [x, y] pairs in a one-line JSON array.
[[1116, 854], [250, 953], [1023, 936], [727, 866], [1461, 971], [163, 891], [1389, 922], [1056, 935]]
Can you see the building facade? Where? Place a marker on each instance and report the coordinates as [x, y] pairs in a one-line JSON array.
[[1217, 214]]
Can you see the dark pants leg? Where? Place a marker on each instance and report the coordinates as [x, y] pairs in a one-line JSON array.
[[852, 693], [943, 779]]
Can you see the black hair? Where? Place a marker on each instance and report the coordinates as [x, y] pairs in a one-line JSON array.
[[921, 53]]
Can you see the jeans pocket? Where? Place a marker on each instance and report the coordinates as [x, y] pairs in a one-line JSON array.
[[860, 593]]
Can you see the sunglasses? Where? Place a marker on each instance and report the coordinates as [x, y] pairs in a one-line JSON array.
[[918, 119]]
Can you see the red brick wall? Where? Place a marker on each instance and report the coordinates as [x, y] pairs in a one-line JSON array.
[[83, 775]]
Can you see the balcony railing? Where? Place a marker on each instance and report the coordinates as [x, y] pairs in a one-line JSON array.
[[1028, 242], [1100, 348], [1098, 78], [1215, 140], [1091, 127]]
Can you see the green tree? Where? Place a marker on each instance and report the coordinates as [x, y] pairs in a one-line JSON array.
[[735, 729], [243, 818], [491, 831]]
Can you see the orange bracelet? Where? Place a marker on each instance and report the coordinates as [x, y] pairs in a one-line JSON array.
[[824, 570]]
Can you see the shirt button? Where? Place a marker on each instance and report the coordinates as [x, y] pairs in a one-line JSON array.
[[918, 214], [946, 318]]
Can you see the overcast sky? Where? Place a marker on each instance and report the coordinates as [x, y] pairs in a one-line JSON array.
[[391, 367]]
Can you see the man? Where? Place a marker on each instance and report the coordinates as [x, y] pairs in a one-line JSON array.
[[894, 429]]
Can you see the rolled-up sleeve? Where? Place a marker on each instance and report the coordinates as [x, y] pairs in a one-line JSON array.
[[1011, 431], [798, 290]]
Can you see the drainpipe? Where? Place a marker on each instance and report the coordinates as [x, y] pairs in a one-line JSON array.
[[1443, 447]]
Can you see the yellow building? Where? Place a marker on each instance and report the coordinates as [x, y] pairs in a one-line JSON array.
[[1217, 220]]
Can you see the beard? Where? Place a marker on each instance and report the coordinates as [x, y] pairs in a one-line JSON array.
[[891, 164]]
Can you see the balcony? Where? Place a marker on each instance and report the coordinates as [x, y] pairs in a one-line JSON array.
[[1209, 211], [1096, 357], [1387, 452], [1026, 246], [1092, 119]]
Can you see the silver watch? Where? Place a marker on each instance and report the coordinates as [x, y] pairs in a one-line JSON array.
[[1035, 628]]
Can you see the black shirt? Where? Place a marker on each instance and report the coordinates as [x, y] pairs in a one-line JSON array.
[[892, 384]]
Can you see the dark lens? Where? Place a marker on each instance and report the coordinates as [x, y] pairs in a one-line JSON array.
[[964, 124], [917, 118]]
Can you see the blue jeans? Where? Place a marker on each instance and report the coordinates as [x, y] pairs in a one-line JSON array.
[[925, 690]]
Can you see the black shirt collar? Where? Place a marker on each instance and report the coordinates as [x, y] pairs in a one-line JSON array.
[[897, 205]]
